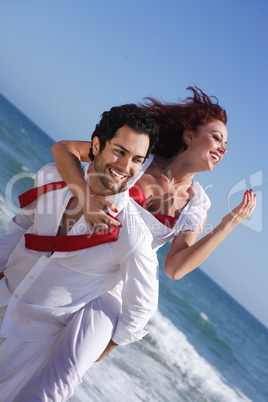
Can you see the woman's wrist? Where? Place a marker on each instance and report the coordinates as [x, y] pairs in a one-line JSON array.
[[229, 222], [81, 190]]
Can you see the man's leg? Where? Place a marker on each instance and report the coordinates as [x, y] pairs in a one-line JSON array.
[[77, 347]]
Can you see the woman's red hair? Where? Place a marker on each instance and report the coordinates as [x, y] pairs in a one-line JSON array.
[[174, 118]]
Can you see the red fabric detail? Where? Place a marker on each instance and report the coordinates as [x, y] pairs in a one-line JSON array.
[[69, 243], [30, 196], [167, 220], [137, 194]]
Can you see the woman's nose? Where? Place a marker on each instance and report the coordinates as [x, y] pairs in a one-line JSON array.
[[222, 150]]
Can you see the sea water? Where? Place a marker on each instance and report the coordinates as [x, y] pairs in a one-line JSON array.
[[202, 345]]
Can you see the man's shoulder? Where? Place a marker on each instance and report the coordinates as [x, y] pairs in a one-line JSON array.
[[134, 228], [47, 174]]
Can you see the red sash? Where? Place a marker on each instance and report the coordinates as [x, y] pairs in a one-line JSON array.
[[61, 243]]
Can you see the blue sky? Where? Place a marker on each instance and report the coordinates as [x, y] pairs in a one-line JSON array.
[[64, 62]]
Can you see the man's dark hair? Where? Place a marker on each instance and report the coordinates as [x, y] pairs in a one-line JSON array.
[[131, 115]]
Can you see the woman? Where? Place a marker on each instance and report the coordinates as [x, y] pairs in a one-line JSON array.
[[193, 138]]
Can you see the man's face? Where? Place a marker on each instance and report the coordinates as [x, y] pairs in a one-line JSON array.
[[119, 161]]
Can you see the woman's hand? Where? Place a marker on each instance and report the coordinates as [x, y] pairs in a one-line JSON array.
[[243, 211], [184, 255], [95, 208]]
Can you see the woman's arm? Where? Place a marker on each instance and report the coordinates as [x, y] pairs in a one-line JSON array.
[[184, 255], [68, 156]]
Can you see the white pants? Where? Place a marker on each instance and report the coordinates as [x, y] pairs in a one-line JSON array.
[[50, 371]]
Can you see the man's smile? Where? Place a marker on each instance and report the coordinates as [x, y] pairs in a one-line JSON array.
[[118, 176]]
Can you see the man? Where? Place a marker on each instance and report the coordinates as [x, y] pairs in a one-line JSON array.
[[53, 271]]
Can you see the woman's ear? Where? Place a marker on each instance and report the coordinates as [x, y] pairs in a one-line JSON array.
[[95, 145], [187, 137]]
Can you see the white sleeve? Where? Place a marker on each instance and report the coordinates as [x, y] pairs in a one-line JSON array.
[[139, 294], [195, 213], [18, 225]]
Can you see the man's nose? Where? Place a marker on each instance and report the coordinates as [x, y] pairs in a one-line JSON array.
[[126, 164]]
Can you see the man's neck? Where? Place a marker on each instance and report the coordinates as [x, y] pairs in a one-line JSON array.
[[95, 185]]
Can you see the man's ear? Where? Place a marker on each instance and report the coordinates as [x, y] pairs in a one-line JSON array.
[[187, 137], [95, 145]]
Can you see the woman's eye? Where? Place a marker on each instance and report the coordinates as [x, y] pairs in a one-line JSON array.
[[217, 138]]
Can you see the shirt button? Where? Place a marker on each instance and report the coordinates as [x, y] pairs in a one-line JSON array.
[[16, 296], [46, 258], [61, 208], [54, 233], [31, 277]]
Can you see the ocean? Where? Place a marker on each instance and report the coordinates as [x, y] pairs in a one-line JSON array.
[[202, 345]]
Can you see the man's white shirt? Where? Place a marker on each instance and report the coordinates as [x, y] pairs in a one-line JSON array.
[[43, 291]]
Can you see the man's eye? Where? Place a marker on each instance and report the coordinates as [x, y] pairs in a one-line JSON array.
[[138, 160], [119, 152]]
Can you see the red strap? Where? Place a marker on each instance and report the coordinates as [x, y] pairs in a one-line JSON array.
[[30, 196], [69, 243]]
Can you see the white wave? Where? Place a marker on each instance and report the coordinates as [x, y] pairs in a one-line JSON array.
[[204, 316], [174, 345], [5, 216], [163, 367]]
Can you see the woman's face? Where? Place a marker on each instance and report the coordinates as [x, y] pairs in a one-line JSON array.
[[208, 143]]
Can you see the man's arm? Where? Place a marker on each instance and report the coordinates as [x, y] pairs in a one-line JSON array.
[[19, 224], [140, 292]]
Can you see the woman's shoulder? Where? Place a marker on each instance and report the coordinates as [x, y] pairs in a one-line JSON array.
[[200, 196]]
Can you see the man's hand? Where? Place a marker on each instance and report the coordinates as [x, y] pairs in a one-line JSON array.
[[111, 345]]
